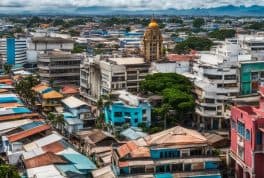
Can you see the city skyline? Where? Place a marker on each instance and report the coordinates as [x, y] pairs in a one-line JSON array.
[[32, 5]]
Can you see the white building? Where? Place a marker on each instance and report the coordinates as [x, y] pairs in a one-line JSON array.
[[13, 51], [102, 76], [216, 80]]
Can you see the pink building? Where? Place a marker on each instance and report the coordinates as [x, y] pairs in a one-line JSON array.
[[247, 139]]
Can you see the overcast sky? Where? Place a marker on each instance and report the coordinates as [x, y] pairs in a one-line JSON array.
[[131, 4]]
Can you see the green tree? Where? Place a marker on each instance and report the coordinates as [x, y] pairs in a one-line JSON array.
[[24, 89], [7, 69], [198, 22], [222, 34], [56, 120], [176, 91], [8, 171], [193, 43], [78, 48]]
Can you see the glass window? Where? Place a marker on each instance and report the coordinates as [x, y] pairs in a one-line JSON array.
[[259, 138], [118, 114], [247, 134]]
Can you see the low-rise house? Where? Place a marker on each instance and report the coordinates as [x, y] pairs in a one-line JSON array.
[[95, 143], [47, 98], [127, 109], [176, 152], [76, 108]]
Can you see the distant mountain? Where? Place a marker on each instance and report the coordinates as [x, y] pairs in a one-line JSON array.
[[100, 10], [218, 11]]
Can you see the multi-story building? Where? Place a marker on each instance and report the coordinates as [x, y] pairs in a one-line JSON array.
[[247, 144], [251, 73], [216, 82], [127, 109], [13, 51], [38, 45], [60, 68], [101, 76], [153, 42], [253, 44], [176, 152]]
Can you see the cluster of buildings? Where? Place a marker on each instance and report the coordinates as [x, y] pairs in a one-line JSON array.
[[107, 140]]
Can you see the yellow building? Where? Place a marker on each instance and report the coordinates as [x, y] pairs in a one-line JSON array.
[[152, 42]]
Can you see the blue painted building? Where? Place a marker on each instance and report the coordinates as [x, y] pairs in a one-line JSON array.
[[13, 50], [128, 109], [176, 152]]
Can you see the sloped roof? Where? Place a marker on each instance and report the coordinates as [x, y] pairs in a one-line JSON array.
[[53, 147], [69, 90], [94, 136], [104, 172], [73, 102], [18, 116], [27, 133], [40, 87], [52, 138], [133, 150], [44, 159], [49, 171], [176, 136], [10, 105], [52, 95]]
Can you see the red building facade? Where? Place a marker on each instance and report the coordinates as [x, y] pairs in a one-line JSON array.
[[247, 139]]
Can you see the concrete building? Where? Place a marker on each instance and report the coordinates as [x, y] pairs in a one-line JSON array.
[[216, 82], [60, 68], [153, 42], [127, 109], [101, 76], [247, 142], [176, 152], [253, 44], [13, 51], [38, 45]]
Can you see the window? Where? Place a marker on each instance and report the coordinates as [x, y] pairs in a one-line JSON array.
[[118, 114], [136, 120], [144, 111], [259, 138], [187, 167], [241, 128], [136, 113], [247, 134]]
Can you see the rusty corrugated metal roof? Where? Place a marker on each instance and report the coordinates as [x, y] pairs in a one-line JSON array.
[[27, 133], [18, 116], [44, 159], [53, 147]]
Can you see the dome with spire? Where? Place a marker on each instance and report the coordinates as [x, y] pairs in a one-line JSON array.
[[153, 24]]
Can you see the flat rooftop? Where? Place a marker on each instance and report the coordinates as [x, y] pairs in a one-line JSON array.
[[127, 60]]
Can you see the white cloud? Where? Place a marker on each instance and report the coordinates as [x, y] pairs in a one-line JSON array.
[[149, 4]]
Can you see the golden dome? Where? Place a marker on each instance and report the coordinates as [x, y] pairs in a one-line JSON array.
[[153, 24]]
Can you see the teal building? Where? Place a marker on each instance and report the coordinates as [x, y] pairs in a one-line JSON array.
[[251, 74]]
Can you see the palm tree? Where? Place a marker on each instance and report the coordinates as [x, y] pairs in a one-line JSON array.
[[7, 69], [56, 121]]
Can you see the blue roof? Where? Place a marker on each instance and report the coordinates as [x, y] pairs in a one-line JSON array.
[[69, 168], [21, 110], [31, 125], [10, 100], [80, 161], [68, 115], [166, 175]]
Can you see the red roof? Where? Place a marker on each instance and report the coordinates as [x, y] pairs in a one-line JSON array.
[[27, 133], [44, 159], [69, 90], [53, 147], [18, 116], [132, 149]]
